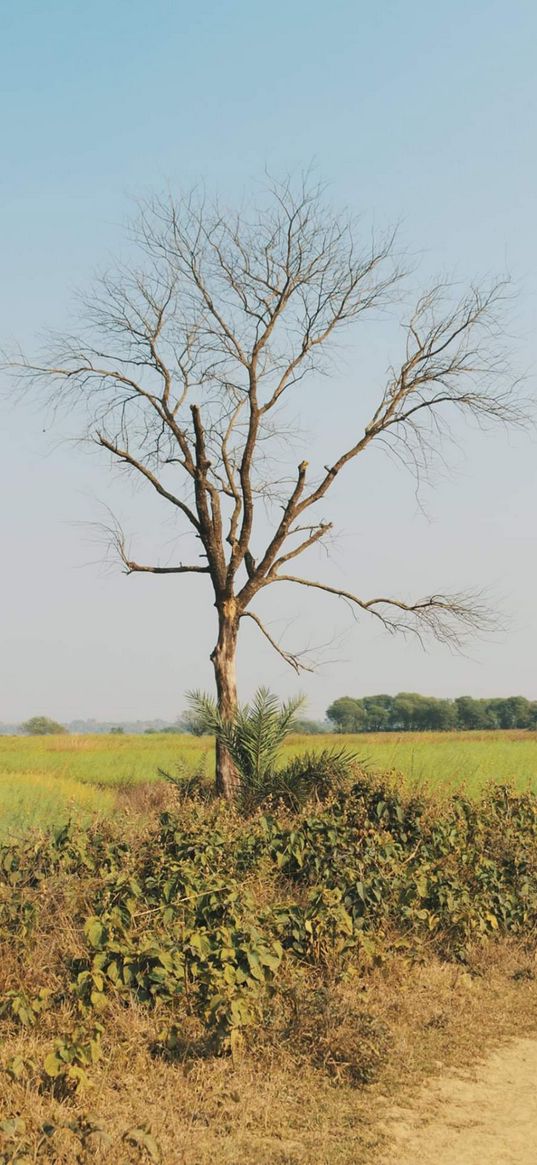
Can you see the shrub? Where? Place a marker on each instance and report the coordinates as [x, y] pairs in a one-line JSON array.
[[316, 775], [253, 737], [223, 927]]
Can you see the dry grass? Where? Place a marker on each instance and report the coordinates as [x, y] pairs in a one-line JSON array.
[[316, 1086], [272, 1105], [146, 799]]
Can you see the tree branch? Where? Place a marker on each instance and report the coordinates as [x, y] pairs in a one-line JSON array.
[[232, 311], [210, 522], [290, 657], [128, 459], [135, 567], [115, 538], [314, 536], [258, 575], [447, 618]]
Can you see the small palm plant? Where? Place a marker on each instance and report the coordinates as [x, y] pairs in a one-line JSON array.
[[253, 737]]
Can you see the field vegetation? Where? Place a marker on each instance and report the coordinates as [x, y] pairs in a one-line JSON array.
[[36, 799], [46, 781], [197, 979]]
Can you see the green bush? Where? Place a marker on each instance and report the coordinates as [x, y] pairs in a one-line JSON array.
[[208, 918], [312, 775]]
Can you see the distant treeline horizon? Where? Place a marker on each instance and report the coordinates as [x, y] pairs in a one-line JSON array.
[[412, 712], [405, 712]]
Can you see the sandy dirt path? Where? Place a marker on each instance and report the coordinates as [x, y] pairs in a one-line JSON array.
[[486, 1115]]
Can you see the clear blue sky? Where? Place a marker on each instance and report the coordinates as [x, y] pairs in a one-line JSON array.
[[414, 112]]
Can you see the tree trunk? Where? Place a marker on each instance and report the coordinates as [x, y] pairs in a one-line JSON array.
[[224, 662]]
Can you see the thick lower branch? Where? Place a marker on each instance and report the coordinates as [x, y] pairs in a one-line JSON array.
[[210, 519], [138, 568]]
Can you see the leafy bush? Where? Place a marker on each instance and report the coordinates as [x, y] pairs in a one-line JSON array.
[[189, 785], [219, 925]]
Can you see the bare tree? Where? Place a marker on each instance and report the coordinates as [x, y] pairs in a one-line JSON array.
[[186, 361]]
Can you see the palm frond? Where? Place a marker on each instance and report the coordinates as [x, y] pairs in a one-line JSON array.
[[253, 737]]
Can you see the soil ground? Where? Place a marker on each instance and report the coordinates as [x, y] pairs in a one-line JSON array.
[[487, 1114]]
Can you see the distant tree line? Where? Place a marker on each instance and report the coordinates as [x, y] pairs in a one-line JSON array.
[[410, 712], [406, 712]]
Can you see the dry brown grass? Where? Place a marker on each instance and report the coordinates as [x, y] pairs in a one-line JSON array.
[[145, 799], [336, 1044], [273, 1105]]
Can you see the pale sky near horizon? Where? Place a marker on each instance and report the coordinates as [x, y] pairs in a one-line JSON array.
[[416, 113]]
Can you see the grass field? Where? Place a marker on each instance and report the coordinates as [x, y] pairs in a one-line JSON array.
[[44, 781]]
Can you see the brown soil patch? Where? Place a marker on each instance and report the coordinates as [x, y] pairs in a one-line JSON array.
[[487, 1114]]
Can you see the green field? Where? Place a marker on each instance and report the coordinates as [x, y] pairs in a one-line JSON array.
[[44, 781]]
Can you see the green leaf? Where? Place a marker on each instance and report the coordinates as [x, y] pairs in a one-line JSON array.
[[78, 1077], [95, 932], [98, 1000], [16, 1067], [254, 964], [13, 1127], [52, 1065], [271, 961]]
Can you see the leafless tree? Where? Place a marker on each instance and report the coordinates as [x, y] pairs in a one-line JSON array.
[[185, 362]]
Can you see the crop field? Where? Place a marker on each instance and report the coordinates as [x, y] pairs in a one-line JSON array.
[[45, 781]]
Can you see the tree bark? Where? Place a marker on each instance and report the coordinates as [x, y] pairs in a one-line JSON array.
[[223, 658]]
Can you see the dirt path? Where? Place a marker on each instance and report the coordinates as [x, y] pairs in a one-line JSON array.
[[483, 1116]]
